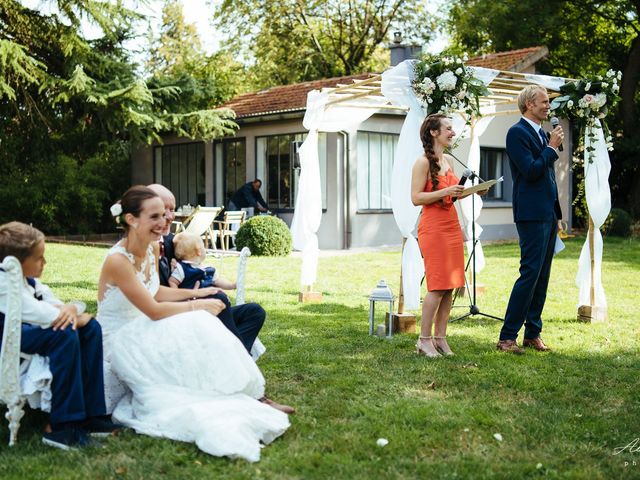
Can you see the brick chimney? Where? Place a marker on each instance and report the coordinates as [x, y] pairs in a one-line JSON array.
[[401, 52]]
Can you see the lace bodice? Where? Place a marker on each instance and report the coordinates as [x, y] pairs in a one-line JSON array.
[[115, 309]]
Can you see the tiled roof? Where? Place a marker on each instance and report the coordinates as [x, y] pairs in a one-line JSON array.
[[293, 98], [513, 60], [286, 98]]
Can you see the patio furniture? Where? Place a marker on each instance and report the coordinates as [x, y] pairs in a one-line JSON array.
[[228, 227], [201, 223]]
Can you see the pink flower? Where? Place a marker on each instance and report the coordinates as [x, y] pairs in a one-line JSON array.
[[588, 98]]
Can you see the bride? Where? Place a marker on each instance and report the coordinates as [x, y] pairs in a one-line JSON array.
[[171, 367]]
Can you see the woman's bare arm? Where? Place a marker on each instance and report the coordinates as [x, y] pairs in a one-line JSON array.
[[117, 270], [419, 176]]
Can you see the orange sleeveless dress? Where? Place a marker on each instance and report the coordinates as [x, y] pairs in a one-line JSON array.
[[440, 240]]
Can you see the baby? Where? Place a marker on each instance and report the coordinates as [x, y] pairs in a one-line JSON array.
[[188, 271]]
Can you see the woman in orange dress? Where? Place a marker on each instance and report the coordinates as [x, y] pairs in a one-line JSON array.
[[433, 185]]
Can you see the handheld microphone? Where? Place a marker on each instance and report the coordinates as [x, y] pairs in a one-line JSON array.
[[467, 174], [554, 123]]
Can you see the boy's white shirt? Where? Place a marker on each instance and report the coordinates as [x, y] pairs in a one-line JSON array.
[[39, 312]]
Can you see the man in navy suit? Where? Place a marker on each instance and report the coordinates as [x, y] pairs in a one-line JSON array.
[[536, 211]]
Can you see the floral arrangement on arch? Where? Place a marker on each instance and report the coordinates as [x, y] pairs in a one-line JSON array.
[[587, 100], [445, 85]]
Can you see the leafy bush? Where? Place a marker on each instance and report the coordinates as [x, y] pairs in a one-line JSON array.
[[265, 235], [618, 223]]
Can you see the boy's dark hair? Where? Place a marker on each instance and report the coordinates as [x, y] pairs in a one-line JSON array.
[[18, 239]]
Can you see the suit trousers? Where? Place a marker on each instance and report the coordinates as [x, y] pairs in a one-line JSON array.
[[537, 242], [75, 361], [244, 321]]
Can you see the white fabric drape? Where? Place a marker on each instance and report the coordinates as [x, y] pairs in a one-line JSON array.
[[552, 83], [396, 86], [470, 208], [598, 195], [308, 205]]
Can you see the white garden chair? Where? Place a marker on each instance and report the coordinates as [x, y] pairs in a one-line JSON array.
[[258, 347], [201, 223], [228, 227], [10, 393], [13, 363]]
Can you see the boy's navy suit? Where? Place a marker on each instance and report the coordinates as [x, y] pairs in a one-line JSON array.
[[75, 360], [535, 210]]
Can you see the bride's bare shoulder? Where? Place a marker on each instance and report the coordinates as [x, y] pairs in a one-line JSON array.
[[116, 260]]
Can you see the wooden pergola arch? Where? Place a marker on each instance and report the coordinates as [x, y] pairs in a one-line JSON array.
[[504, 90]]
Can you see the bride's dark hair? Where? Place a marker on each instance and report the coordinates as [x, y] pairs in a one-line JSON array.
[[132, 201], [432, 122]]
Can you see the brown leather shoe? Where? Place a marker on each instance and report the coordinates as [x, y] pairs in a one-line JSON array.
[[509, 346], [278, 406], [536, 343]]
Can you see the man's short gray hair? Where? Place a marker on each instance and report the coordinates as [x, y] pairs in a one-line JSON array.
[[528, 94]]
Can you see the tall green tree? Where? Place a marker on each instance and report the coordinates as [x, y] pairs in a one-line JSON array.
[[584, 37], [71, 110], [176, 57], [287, 41]]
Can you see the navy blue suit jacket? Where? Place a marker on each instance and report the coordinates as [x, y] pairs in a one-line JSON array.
[[535, 194]]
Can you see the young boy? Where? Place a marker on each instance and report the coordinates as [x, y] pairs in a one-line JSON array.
[[72, 342]]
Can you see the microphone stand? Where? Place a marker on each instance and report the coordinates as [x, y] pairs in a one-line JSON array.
[[473, 307]]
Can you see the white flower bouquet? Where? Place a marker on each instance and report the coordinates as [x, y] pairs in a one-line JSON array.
[[587, 100], [445, 85]]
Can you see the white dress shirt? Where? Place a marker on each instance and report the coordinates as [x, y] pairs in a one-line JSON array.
[[537, 127], [39, 312]]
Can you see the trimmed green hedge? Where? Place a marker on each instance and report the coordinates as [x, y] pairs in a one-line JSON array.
[[618, 223], [265, 235]]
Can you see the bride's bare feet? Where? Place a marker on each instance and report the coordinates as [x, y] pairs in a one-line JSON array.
[[425, 347], [442, 346]]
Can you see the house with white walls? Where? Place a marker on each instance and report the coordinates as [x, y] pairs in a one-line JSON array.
[[355, 165]]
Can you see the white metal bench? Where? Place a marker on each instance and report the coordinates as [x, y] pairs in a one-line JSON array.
[[258, 347], [10, 393]]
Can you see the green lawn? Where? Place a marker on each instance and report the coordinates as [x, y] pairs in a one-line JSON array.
[[560, 414]]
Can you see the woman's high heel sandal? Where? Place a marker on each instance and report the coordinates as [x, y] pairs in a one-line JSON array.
[[442, 346], [427, 352]]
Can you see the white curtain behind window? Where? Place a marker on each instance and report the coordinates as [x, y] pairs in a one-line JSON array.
[[362, 173], [387, 148]]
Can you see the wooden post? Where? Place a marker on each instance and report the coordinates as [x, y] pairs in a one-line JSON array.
[[402, 322], [592, 313], [308, 295]]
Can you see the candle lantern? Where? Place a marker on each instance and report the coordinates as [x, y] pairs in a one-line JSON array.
[[382, 293]]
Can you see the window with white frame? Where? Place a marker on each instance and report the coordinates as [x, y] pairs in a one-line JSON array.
[[181, 169], [276, 166], [375, 154]]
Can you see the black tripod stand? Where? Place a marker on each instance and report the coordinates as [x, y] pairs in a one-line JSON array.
[[472, 293]]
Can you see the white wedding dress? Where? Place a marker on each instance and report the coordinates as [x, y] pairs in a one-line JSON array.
[[184, 377]]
